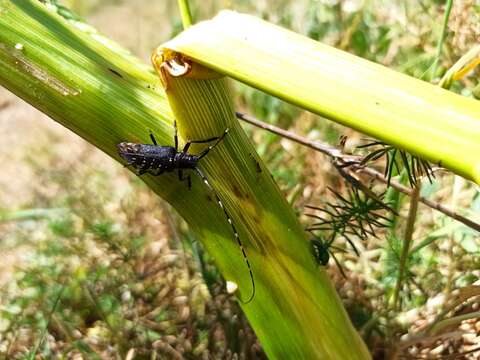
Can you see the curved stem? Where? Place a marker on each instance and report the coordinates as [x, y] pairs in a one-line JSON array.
[[185, 12], [295, 311]]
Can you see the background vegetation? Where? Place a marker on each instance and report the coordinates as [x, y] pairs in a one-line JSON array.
[[94, 266]]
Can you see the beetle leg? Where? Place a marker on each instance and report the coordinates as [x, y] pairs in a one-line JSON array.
[[218, 140], [153, 138], [175, 135]]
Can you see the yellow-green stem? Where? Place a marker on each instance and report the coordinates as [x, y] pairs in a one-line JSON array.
[[296, 312], [427, 121], [185, 13], [407, 241], [441, 40]]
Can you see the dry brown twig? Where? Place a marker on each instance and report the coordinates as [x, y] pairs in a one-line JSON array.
[[351, 165]]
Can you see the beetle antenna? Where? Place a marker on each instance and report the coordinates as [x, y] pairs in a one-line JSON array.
[[235, 233]]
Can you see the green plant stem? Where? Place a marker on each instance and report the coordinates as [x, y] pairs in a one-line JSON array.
[[441, 40], [407, 241], [452, 265], [31, 214], [295, 310], [407, 113], [97, 90], [33, 354], [462, 67], [114, 331], [185, 12], [476, 92]]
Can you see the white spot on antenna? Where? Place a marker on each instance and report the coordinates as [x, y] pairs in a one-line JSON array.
[[231, 287], [19, 46]]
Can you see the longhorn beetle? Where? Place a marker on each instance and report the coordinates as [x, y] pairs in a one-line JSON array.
[[156, 159]]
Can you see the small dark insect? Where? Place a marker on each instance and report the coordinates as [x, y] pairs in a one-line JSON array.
[[322, 250], [356, 214], [156, 160]]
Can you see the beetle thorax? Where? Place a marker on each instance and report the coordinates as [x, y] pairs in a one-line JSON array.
[[186, 161]]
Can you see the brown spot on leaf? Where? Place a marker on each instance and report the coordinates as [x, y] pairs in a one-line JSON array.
[[237, 192]]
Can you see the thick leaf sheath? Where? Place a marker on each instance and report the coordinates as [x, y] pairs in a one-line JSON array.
[[428, 121]]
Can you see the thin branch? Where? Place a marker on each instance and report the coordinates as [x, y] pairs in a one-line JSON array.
[[315, 145], [353, 164]]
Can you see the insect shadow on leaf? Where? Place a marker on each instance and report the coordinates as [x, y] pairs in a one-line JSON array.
[[156, 159]]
